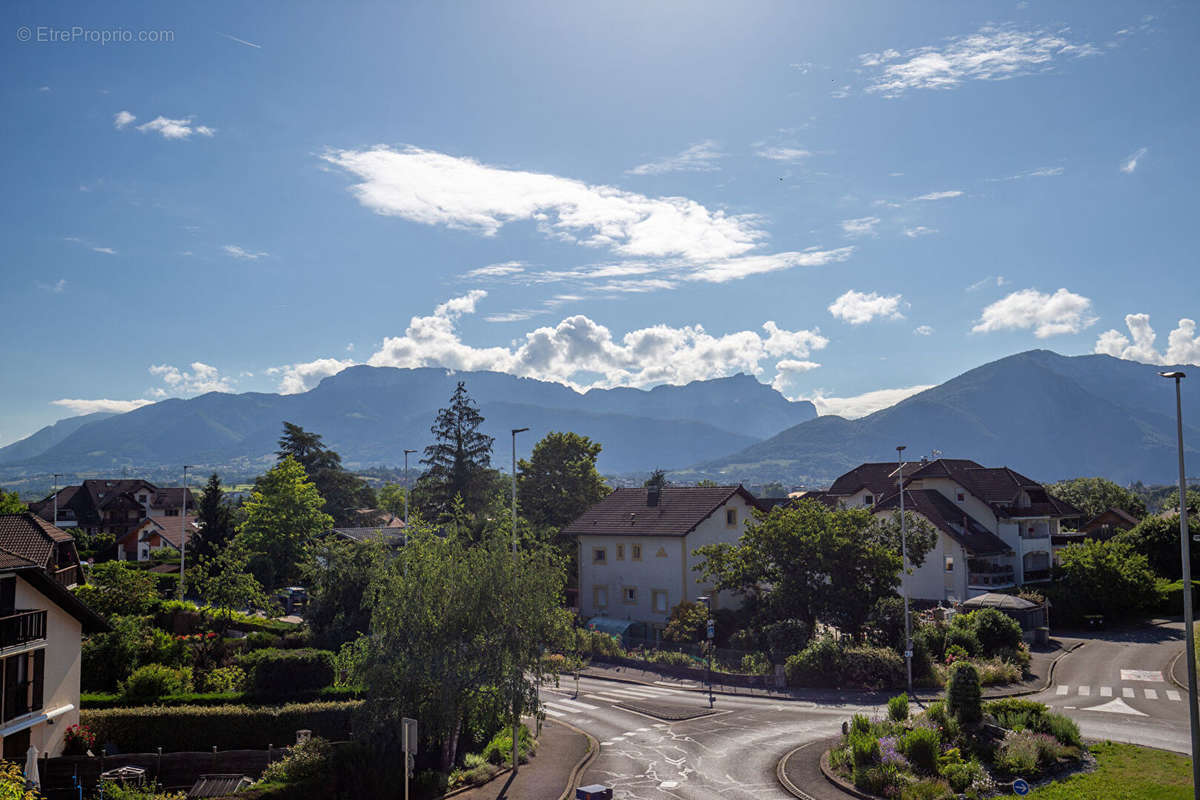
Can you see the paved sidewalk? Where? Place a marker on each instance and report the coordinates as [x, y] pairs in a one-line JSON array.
[[560, 750], [801, 773]]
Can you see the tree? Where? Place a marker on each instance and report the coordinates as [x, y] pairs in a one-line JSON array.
[[10, 503], [688, 623], [226, 583], [805, 561], [454, 626], [390, 498], [460, 458], [559, 481], [1108, 578], [283, 518], [658, 479], [1171, 502], [215, 518], [337, 577], [344, 492], [113, 588], [1157, 538], [1094, 496]]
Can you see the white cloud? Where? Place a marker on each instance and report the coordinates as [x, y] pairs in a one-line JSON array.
[[923, 330], [106, 250], [863, 226], [938, 195], [998, 280], [1132, 162], [246, 255], [700, 157], [122, 118], [860, 307], [202, 378], [1046, 314], [919, 230], [863, 404], [994, 52], [233, 38], [169, 128], [1183, 343], [734, 268], [57, 287], [298, 378], [497, 270], [92, 406], [779, 153], [1042, 172]]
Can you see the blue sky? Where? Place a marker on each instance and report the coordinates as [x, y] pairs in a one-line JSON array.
[[846, 200]]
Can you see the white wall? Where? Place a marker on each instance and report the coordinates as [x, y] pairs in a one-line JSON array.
[[714, 530], [928, 582], [976, 508]]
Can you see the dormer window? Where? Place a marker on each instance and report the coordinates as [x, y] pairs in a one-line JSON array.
[[868, 500]]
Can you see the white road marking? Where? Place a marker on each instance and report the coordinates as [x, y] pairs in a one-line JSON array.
[[642, 730], [1173, 695], [1085, 691], [629, 733], [1127, 692], [605, 744], [1063, 689], [1117, 706], [628, 695], [571, 705], [552, 712], [604, 697], [668, 784], [661, 725], [1148, 675], [1106, 691], [1151, 694], [618, 739]]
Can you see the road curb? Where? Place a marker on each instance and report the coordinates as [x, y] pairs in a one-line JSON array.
[[583, 763], [1171, 669], [1049, 676], [781, 773]]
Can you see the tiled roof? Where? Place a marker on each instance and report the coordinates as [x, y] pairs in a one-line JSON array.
[[999, 487], [29, 536], [12, 560], [877, 477], [627, 512], [391, 535], [167, 528], [172, 497], [948, 518]]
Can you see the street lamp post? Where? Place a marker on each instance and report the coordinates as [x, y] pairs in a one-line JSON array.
[[407, 491], [708, 638], [183, 529], [908, 644], [57, 475], [1185, 548], [516, 752]]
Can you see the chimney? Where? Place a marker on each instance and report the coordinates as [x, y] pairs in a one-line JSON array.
[[653, 494]]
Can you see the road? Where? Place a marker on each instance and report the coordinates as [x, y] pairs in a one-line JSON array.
[[1116, 686]]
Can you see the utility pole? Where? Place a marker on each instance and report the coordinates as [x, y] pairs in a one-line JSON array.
[[407, 491], [516, 751], [709, 639], [908, 643], [183, 530], [57, 475], [1185, 547]]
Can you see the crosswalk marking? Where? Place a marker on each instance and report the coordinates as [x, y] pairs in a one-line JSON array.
[[1062, 689], [625, 693], [1151, 694], [1085, 691], [1173, 695], [1152, 676], [553, 713], [1106, 691], [1127, 692], [605, 697], [571, 705]]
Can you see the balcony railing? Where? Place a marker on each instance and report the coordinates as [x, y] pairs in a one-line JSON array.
[[67, 576], [998, 575], [21, 627], [1036, 575]]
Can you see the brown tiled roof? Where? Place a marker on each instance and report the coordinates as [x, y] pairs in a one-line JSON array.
[[167, 528], [878, 477], [28, 536], [948, 518], [12, 560], [389, 534], [999, 487], [172, 497], [627, 512]]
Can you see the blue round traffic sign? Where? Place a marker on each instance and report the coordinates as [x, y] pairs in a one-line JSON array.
[[1021, 786]]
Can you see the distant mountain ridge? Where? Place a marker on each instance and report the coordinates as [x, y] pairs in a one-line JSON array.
[[371, 414], [1043, 414]]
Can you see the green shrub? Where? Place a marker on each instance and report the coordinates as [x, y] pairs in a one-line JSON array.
[[141, 729], [272, 672], [258, 640], [994, 630], [946, 724], [922, 746], [300, 762], [152, 681], [671, 658], [781, 639], [898, 708], [1017, 656], [1025, 752], [499, 750], [819, 664], [932, 637], [881, 779], [225, 679], [963, 774], [963, 693], [597, 644], [864, 748], [994, 672], [872, 668], [1064, 729], [964, 637], [860, 724], [926, 790], [755, 664]]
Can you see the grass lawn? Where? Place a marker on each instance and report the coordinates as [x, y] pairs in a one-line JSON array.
[[1127, 772]]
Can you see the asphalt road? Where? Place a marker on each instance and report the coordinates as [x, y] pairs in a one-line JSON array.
[[1116, 686]]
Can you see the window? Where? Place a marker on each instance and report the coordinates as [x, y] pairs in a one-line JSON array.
[[636, 552], [868, 500], [600, 597], [961, 497], [172, 512], [24, 676], [949, 563], [629, 595], [658, 599], [599, 555], [730, 517], [620, 552]]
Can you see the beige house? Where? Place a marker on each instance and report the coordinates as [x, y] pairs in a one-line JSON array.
[[41, 627], [636, 548], [154, 534]]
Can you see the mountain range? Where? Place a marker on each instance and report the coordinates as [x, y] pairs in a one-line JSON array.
[[1045, 415], [371, 414]]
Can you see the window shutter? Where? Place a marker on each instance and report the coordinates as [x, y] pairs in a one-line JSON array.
[[39, 679], [8, 596], [12, 694]]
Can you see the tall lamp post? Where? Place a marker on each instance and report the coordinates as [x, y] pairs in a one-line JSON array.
[[407, 491], [57, 475], [708, 638], [908, 643], [516, 751], [183, 529], [1185, 548]]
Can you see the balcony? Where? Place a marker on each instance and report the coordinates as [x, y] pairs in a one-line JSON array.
[[21, 627], [67, 577], [990, 575], [1037, 575]]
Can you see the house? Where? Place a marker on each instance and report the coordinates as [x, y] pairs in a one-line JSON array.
[[41, 626], [1108, 523], [994, 525], [154, 534], [111, 506], [636, 548], [392, 534]]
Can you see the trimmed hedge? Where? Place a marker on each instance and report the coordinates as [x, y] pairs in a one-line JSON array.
[[192, 728], [273, 672], [99, 700]]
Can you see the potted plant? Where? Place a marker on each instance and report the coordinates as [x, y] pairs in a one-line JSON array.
[[78, 741]]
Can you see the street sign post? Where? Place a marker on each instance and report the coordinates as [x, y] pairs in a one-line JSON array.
[[408, 743], [1021, 787]]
